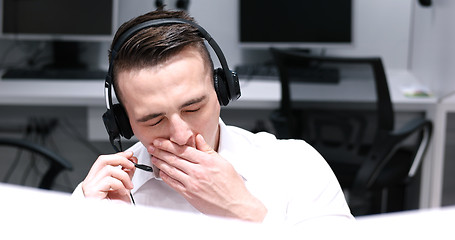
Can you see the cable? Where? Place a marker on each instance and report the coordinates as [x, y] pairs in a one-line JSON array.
[[69, 186], [31, 55], [72, 132], [13, 166], [5, 55], [28, 169], [32, 163], [120, 149], [132, 199]]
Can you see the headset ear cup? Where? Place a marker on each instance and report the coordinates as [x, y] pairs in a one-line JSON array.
[[122, 120], [221, 87], [236, 87], [111, 125]]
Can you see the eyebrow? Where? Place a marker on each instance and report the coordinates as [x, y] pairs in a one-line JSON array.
[[186, 104], [149, 117], [193, 101]]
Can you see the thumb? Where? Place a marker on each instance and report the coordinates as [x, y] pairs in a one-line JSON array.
[[202, 145], [130, 156], [127, 154], [132, 171]]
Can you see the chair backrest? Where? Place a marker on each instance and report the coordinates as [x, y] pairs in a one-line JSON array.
[[343, 135], [288, 60], [56, 163]]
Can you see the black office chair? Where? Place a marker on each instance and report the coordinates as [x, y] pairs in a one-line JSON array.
[[56, 164], [367, 160]]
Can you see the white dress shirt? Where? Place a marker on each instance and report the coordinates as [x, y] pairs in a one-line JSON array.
[[290, 177]]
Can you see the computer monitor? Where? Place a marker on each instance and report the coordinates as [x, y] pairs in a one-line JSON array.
[[64, 22], [296, 24]]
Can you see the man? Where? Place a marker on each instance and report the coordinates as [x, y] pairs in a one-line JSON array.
[[164, 79]]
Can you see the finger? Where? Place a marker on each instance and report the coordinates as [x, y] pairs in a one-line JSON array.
[[172, 182], [202, 145], [114, 185], [133, 159], [133, 170], [127, 154], [116, 173], [118, 159], [101, 187], [176, 169], [166, 149], [167, 145]]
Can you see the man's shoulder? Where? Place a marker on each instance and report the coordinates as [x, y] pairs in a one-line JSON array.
[[292, 151], [266, 143], [242, 136], [264, 138]]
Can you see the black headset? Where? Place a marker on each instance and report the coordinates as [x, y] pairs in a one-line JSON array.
[[116, 120]]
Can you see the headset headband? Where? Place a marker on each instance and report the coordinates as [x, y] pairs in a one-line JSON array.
[[158, 22]]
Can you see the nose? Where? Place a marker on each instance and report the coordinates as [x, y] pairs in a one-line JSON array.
[[180, 131]]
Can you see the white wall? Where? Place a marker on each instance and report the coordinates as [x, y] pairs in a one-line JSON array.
[[432, 56], [432, 60], [381, 27]]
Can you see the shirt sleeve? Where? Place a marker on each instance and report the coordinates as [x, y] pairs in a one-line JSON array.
[[78, 193], [306, 189], [317, 195]]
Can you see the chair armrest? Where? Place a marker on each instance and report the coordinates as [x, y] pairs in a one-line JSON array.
[[37, 149], [385, 145], [420, 124], [411, 127]]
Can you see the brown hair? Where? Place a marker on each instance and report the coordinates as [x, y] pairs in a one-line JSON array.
[[154, 45]]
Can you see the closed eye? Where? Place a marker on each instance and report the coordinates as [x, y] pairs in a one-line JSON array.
[[154, 124], [192, 110]]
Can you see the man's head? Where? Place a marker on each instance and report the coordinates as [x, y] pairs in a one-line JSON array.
[[163, 76], [154, 45]]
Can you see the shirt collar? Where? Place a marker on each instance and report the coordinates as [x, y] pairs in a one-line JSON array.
[[141, 177], [231, 150]]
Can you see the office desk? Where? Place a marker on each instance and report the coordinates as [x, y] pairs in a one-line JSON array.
[[256, 94], [37, 214]]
